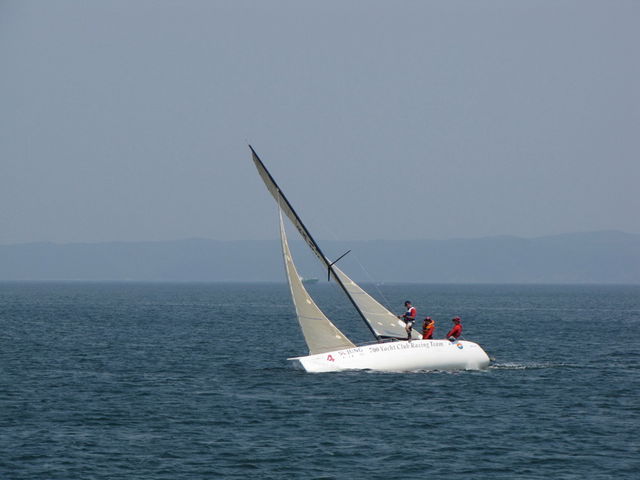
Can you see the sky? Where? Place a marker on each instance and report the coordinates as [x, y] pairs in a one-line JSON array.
[[129, 121]]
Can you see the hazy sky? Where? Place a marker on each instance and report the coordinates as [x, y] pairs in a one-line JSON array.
[[126, 120]]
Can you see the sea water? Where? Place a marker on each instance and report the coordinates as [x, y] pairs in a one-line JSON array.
[[190, 381]]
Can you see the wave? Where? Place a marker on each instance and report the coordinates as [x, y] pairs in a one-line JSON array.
[[530, 365]]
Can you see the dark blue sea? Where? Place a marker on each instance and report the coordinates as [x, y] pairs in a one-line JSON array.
[[190, 381]]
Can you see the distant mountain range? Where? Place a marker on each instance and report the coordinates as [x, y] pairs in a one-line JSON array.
[[595, 257]]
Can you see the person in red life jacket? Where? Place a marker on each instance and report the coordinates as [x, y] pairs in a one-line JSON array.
[[409, 317], [456, 331], [427, 328]]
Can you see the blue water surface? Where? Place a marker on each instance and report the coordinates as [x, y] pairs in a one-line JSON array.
[[191, 381]]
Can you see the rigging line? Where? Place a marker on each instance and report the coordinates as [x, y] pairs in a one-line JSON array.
[[354, 255], [374, 282]]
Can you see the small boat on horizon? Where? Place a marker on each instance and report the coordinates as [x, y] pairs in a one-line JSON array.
[[329, 349]]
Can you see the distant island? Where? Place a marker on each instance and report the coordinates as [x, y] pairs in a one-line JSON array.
[[607, 257]]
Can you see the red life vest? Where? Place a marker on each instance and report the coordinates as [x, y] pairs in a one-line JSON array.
[[427, 331], [455, 331], [410, 315]]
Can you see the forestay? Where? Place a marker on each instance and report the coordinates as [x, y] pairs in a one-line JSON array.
[[320, 334]]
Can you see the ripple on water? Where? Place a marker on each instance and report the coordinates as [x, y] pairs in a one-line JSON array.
[[142, 381]]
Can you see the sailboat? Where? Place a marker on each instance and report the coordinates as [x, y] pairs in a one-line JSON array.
[[329, 349]]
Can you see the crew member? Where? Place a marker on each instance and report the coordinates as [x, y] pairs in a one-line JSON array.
[[427, 328], [456, 331], [409, 317]]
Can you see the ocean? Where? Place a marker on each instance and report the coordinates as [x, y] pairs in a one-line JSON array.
[[190, 381]]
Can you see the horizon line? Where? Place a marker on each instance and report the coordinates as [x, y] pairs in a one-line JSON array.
[[442, 239]]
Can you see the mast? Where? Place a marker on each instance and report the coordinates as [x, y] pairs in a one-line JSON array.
[[281, 199]]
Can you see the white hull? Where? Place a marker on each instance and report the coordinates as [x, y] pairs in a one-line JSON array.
[[400, 356]]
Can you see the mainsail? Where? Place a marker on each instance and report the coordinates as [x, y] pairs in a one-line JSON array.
[[380, 321], [286, 207], [320, 334]]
